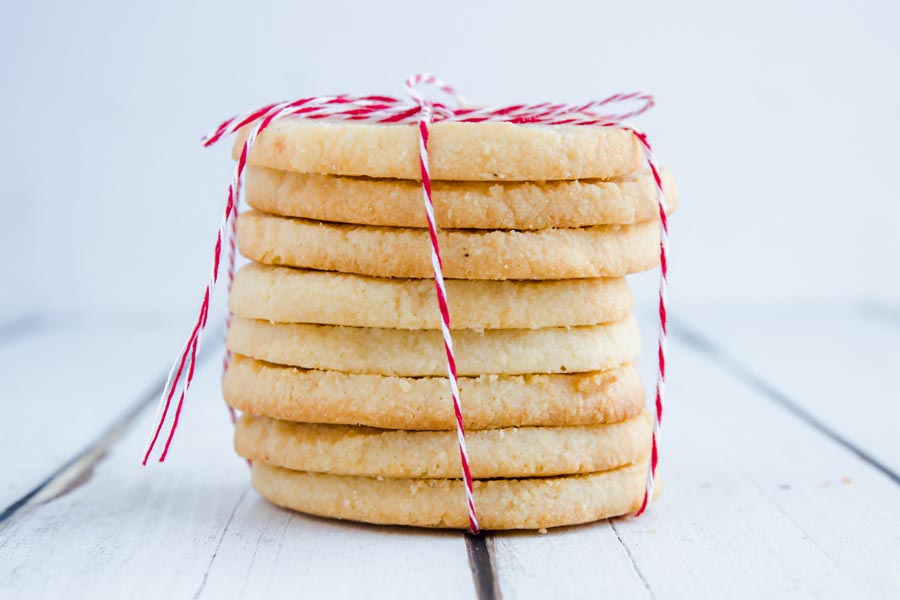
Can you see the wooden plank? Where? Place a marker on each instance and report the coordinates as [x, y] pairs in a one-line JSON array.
[[269, 552], [756, 503], [587, 561], [192, 527], [837, 364], [65, 381]]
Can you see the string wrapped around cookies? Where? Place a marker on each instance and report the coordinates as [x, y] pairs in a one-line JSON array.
[[490, 173]]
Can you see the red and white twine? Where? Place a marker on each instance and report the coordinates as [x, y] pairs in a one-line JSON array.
[[421, 112], [425, 119]]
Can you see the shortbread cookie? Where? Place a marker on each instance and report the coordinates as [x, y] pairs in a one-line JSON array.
[[302, 296], [458, 204], [417, 353], [602, 251], [488, 401], [456, 151], [493, 453], [501, 503]]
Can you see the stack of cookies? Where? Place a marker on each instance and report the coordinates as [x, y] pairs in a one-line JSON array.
[[339, 366]]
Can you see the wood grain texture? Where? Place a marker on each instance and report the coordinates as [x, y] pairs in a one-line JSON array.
[[839, 364], [270, 552], [65, 380], [193, 528], [587, 561], [759, 503], [757, 500]]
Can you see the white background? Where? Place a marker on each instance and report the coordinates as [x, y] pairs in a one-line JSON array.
[[779, 119]]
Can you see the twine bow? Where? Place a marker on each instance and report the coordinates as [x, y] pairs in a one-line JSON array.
[[421, 111]]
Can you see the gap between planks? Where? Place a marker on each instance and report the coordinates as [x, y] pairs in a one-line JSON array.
[[479, 549], [744, 374], [484, 568], [77, 469]]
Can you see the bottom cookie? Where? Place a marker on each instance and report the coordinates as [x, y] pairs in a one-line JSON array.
[[501, 503]]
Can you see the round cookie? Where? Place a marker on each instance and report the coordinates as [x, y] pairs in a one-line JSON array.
[[418, 353], [488, 401], [493, 453], [458, 204], [301, 296], [501, 503], [456, 151], [601, 251]]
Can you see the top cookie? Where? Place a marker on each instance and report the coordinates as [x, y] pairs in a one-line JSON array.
[[487, 151]]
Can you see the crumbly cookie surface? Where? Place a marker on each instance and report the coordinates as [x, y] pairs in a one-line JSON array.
[[456, 151], [420, 353], [411, 403], [457, 204], [531, 503], [493, 453], [325, 297], [601, 251]]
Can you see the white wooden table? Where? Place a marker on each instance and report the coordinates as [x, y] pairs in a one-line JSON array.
[[781, 458]]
